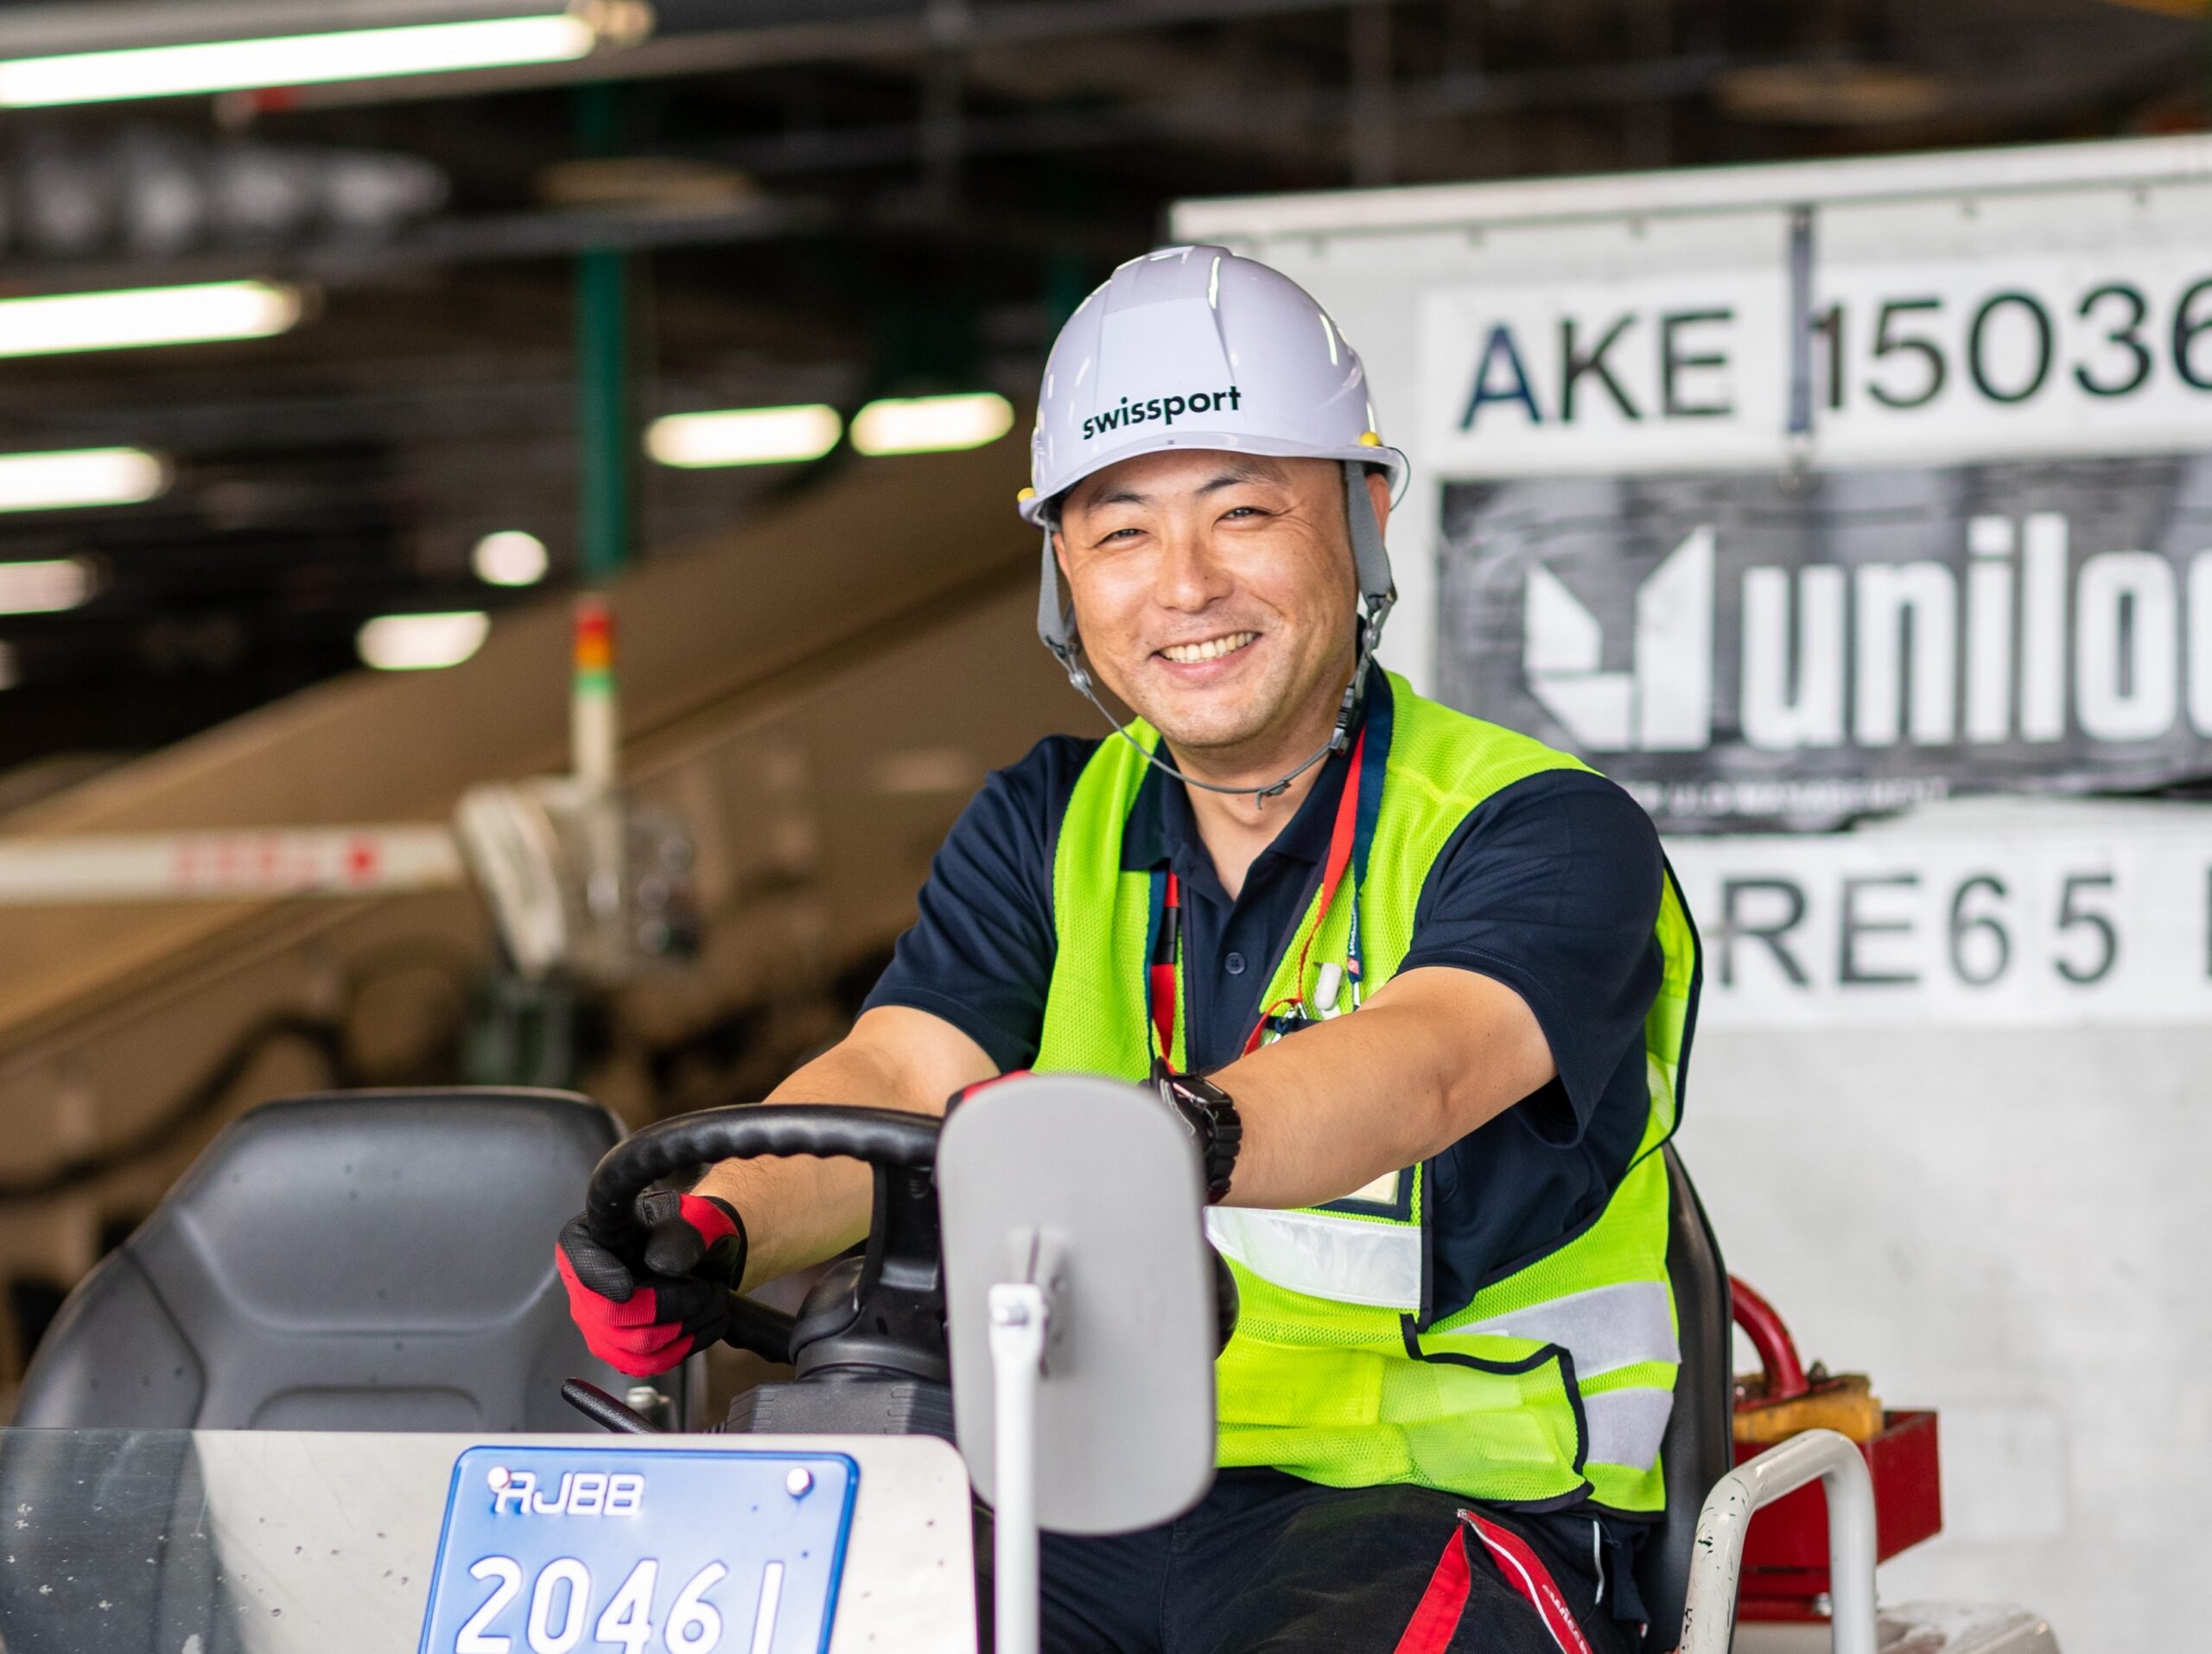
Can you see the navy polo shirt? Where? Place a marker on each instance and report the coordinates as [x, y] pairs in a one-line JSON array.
[[1550, 886]]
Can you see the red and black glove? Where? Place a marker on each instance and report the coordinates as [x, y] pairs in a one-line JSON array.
[[974, 1086], [644, 1318]]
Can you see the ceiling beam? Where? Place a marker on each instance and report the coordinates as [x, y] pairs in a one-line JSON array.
[[905, 31], [486, 239], [1239, 122]]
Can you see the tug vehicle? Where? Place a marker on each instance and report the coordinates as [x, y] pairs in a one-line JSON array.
[[277, 1419]]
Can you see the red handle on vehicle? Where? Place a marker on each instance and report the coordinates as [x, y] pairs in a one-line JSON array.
[[1777, 1350]]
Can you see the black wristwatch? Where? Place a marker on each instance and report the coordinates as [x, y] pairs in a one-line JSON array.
[[1214, 1125]]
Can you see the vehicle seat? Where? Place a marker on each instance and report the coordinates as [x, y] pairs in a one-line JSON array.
[[1697, 1448], [350, 1261]]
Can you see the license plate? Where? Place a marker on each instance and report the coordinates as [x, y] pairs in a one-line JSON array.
[[578, 1550]]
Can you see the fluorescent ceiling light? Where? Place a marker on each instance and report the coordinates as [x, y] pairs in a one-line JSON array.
[[45, 588], [291, 60], [510, 557], [1831, 92], [88, 476], [744, 436], [931, 424], [52, 323], [415, 643]]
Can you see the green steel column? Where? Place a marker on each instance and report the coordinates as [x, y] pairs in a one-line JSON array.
[[525, 1033], [604, 437]]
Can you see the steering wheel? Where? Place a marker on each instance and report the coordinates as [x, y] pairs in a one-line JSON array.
[[881, 1313]]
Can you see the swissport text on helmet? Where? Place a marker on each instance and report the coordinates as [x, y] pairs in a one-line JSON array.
[[1166, 410]]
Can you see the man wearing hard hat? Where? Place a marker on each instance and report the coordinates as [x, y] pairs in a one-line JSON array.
[[1440, 1413]]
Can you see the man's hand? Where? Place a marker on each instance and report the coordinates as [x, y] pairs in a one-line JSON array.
[[644, 1319]]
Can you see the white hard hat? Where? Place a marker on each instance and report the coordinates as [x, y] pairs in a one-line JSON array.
[[1196, 347]]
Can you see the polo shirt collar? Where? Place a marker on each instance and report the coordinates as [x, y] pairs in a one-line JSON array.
[[1162, 833]]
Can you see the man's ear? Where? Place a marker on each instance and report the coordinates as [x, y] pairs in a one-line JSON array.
[[1378, 490], [1060, 560], [1067, 586]]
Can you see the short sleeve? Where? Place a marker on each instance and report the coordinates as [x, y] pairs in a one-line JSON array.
[[1552, 885], [980, 955]]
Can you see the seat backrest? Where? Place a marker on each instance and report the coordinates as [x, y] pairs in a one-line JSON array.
[[1698, 1450], [351, 1261]]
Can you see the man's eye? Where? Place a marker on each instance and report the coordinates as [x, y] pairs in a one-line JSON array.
[[1243, 510]]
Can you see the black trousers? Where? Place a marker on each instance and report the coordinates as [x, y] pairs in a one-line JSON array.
[[1269, 1564]]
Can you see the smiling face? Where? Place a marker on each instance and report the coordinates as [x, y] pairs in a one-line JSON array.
[[1214, 594]]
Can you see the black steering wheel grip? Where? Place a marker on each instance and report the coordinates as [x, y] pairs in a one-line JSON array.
[[748, 1131], [879, 1137]]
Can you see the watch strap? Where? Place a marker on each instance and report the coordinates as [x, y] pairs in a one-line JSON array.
[[1216, 1125]]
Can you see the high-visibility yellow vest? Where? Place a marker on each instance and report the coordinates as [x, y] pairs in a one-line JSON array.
[[1554, 1384]]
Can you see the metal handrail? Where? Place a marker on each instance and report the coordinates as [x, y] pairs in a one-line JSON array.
[[1717, 1557]]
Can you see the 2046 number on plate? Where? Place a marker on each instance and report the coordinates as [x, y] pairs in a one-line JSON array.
[[564, 1601]]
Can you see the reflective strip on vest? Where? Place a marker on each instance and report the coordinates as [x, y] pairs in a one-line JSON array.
[[1626, 1425], [1352, 1260], [1604, 1329]]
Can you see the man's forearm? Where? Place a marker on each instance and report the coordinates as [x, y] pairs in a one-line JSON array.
[[1433, 1056], [800, 1210]]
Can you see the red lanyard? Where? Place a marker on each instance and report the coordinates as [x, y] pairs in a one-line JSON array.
[[1354, 812]]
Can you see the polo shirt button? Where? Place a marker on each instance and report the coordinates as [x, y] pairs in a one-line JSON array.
[[1234, 965]]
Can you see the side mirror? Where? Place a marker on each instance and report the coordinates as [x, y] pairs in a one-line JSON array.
[[1081, 1306]]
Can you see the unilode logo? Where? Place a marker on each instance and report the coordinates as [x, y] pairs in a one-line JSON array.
[[1166, 410], [582, 1494], [2016, 642]]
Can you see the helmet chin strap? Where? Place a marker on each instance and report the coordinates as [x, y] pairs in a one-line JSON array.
[[1378, 595]]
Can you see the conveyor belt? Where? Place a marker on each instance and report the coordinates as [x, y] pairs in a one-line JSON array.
[[818, 694]]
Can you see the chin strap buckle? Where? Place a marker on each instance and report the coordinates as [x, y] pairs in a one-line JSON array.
[[1371, 637]]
